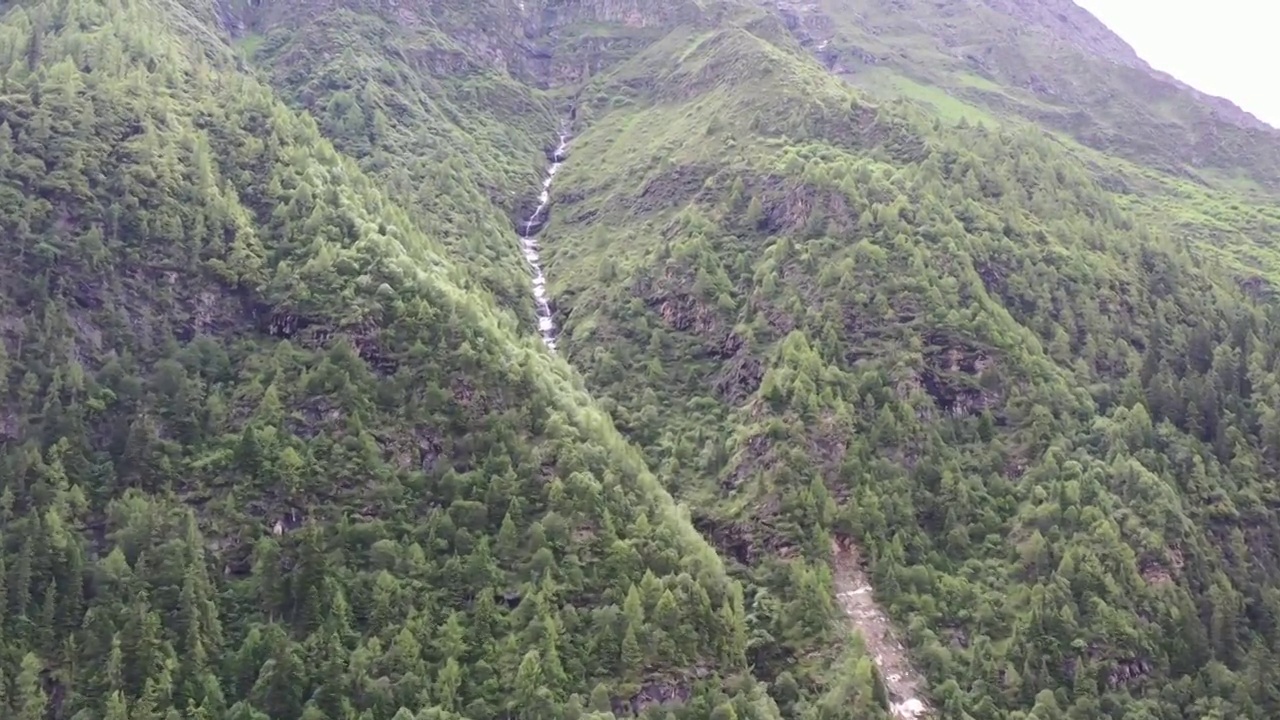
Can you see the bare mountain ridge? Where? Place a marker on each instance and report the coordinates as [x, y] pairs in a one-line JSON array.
[[1066, 21]]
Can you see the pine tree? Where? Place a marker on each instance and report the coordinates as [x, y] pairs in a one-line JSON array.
[[117, 708], [754, 214], [631, 660], [530, 701], [30, 701], [448, 685], [600, 701]]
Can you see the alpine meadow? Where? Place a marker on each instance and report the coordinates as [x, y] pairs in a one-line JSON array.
[[603, 359]]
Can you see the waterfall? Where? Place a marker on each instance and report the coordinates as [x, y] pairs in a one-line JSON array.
[[529, 244]]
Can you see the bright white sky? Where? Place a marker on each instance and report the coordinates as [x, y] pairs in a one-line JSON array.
[[1216, 46]]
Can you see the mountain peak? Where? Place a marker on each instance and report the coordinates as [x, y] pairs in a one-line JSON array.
[[1065, 21]]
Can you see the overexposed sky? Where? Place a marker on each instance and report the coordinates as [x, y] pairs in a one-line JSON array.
[[1227, 48]]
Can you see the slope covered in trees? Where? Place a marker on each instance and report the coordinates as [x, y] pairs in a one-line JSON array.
[[452, 136], [267, 451], [279, 439], [1194, 165], [1050, 424]]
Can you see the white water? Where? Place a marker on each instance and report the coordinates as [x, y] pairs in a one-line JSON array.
[[529, 243]]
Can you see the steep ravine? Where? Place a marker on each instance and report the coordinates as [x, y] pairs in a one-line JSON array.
[[529, 244], [903, 682], [854, 593]]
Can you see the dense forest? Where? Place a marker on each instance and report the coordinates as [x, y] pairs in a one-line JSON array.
[[278, 439], [1051, 426], [264, 454]]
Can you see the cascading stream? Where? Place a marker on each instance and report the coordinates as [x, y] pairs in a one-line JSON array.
[[902, 680], [529, 243]]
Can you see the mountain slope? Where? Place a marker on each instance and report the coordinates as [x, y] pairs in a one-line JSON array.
[[867, 325], [280, 440], [264, 453], [1052, 63], [1192, 164], [1047, 425]]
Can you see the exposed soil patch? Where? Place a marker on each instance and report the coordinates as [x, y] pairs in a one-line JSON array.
[[855, 595]]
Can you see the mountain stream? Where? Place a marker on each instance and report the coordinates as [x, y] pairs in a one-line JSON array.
[[853, 589], [529, 244]]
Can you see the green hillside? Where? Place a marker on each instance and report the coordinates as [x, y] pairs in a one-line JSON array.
[[1046, 418], [1196, 166], [278, 438], [266, 455]]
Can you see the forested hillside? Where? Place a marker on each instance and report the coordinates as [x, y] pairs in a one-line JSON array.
[[264, 456], [278, 439], [1196, 166], [1049, 423]]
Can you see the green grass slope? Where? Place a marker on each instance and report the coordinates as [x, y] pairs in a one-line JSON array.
[[265, 452], [1049, 62], [1194, 165]]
